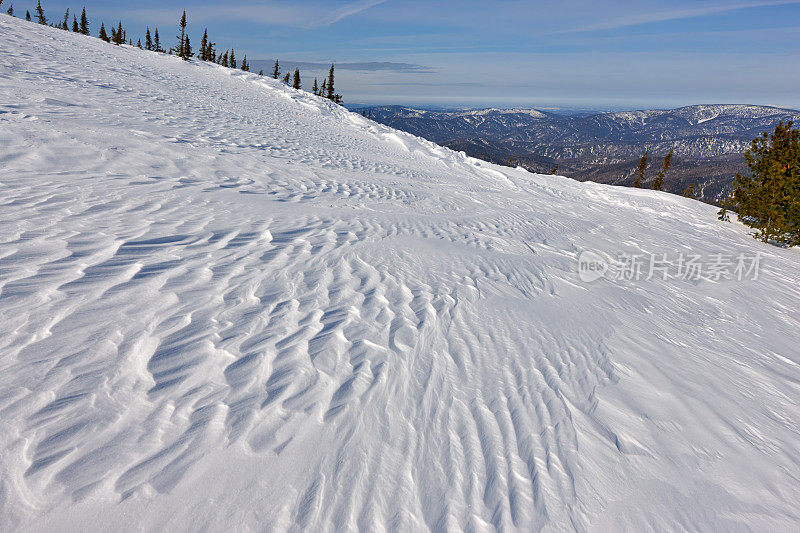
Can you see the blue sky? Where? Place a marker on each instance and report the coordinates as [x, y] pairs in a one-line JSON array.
[[568, 53]]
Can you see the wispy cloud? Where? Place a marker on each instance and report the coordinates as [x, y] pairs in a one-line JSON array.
[[677, 14], [345, 11], [306, 15]]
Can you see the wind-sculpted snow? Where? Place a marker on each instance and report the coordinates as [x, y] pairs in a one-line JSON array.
[[226, 304]]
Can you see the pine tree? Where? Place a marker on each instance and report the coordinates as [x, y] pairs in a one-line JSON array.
[[276, 70], [187, 49], [139, 43], [84, 23], [331, 92], [148, 40], [103, 35], [179, 50], [232, 59], [315, 90], [769, 199], [324, 87], [658, 183], [286, 79], [641, 170], [10, 10], [120, 35], [296, 80], [41, 19], [245, 66], [157, 42], [27, 15], [224, 61], [65, 21], [75, 28], [203, 55], [689, 191]]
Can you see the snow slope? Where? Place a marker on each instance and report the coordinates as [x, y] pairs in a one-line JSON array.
[[226, 304]]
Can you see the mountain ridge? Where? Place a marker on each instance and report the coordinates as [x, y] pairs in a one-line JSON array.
[[708, 140]]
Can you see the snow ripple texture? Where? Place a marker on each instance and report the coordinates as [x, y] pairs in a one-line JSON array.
[[227, 304]]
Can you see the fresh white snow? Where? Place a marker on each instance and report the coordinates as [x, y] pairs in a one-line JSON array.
[[228, 305]]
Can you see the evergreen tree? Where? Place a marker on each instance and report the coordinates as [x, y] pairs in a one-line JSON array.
[[187, 49], [640, 171], [65, 21], [769, 199], [224, 61], [10, 10], [331, 92], [41, 19], [276, 70], [157, 42], [286, 79], [179, 50], [315, 90], [689, 191], [84, 23], [27, 15], [296, 80], [232, 59], [245, 66], [203, 55], [148, 40], [120, 35], [75, 28], [324, 87], [261, 72], [103, 35], [139, 43], [658, 183]]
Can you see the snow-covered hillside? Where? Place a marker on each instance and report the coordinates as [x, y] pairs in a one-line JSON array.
[[229, 305]]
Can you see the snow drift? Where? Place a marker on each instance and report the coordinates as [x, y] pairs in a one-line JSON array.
[[229, 304]]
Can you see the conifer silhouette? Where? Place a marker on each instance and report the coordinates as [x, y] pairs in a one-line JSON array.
[[84, 23], [203, 53], [296, 82], [331, 93], [40, 18], [641, 170], [658, 183], [103, 35], [276, 70]]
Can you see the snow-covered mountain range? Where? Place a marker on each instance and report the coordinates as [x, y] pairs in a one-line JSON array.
[[708, 140], [229, 305]]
